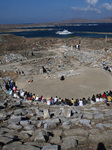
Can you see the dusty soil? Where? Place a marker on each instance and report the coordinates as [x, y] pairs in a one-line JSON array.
[[90, 81]]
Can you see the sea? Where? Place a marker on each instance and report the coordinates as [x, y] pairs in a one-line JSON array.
[[91, 30]]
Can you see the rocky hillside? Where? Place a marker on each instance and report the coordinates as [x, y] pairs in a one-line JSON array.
[[28, 125], [81, 20]]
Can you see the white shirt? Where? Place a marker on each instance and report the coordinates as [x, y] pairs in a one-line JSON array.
[[80, 103]]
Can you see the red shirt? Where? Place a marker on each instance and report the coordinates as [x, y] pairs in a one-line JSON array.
[[104, 95]]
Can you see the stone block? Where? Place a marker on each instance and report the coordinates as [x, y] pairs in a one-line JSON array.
[[69, 143], [46, 113], [50, 147]]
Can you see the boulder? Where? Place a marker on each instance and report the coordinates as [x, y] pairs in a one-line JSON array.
[[57, 132], [77, 110], [46, 114], [88, 116], [50, 147], [100, 126], [20, 112], [5, 140], [76, 132], [3, 116], [20, 147], [67, 112], [24, 123], [67, 125], [105, 137], [98, 116], [50, 124], [41, 137], [2, 105], [14, 119], [69, 143], [55, 140], [14, 126], [85, 122], [29, 127]]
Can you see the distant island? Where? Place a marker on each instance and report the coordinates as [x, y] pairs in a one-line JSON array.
[[70, 21], [80, 20]]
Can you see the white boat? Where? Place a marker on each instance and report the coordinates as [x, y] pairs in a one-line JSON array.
[[64, 32]]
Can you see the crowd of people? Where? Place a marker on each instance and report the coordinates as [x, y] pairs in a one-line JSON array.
[[25, 95]]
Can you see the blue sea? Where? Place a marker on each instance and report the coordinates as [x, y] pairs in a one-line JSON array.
[[92, 30]]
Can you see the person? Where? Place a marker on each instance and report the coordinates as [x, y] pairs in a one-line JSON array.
[[62, 78], [93, 98], [48, 101], [7, 86], [80, 102], [77, 102], [15, 95], [88, 100], [72, 101], [51, 99], [22, 94], [40, 98], [62, 102], [109, 98], [104, 95], [10, 91], [84, 101], [44, 70], [103, 63], [33, 97], [97, 98], [107, 93], [55, 99], [37, 98]]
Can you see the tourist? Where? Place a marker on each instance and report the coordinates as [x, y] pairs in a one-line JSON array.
[[15, 95], [10, 91], [77, 102], [88, 100], [109, 98], [33, 97], [62, 78], [55, 99], [41, 98], [104, 95], [93, 98], [107, 93], [72, 101], [84, 101], [37, 98], [80, 102], [97, 98], [48, 101], [22, 94], [7, 86]]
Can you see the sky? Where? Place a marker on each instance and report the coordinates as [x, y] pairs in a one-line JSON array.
[[45, 11]]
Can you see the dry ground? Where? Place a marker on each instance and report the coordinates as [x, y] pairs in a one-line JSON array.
[[90, 81]]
